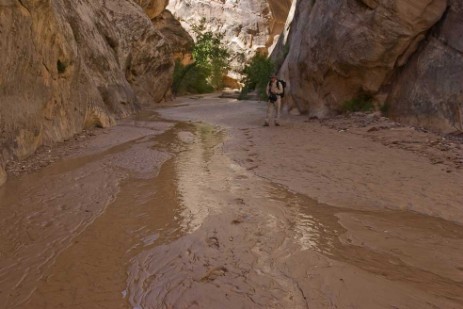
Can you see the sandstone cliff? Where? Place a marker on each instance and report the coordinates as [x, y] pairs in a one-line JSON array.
[[249, 25], [152, 8], [429, 90], [68, 65], [179, 39], [163, 21], [405, 54]]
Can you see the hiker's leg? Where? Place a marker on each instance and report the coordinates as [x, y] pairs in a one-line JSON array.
[[278, 110], [269, 112]]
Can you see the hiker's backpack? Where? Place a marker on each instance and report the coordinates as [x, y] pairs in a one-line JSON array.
[[283, 84]]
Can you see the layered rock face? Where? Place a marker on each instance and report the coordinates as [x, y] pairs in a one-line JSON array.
[[249, 25], [341, 50], [429, 90], [179, 39], [68, 65], [153, 8]]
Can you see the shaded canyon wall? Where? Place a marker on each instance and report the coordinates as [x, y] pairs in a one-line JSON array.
[[70, 65], [428, 91], [405, 54]]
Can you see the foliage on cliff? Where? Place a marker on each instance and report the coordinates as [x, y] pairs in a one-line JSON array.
[[256, 75], [211, 62]]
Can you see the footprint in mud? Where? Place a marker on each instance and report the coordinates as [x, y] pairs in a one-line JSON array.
[[241, 218], [213, 242], [47, 224], [215, 273], [240, 201], [236, 221]]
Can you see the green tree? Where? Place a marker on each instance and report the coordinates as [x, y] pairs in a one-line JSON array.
[[210, 54], [256, 75], [190, 79], [211, 63]]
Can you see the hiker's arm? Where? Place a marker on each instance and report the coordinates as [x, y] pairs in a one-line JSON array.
[[267, 90]]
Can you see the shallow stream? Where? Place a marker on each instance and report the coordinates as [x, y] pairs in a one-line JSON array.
[[167, 220]]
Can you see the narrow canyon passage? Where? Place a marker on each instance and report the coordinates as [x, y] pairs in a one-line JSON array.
[[196, 206]]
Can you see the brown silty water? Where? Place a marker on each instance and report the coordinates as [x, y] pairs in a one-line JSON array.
[[164, 219]]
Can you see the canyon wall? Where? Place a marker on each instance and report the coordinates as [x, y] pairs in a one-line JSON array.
[[428, 91], [165, 22], [404, 54], [249, 26], [70, 65]]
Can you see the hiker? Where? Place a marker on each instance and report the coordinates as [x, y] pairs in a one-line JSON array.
[[275, 89]]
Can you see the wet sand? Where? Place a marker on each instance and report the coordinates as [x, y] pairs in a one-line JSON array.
[[204, 208]]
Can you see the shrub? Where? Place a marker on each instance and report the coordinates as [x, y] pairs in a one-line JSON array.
[[385, 109], [362, 103], [190, 79], [211, 55], [256, 75], [211, 62]]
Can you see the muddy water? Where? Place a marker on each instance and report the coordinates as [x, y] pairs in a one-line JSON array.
[[67, 232], [169, 221], [421, 251]]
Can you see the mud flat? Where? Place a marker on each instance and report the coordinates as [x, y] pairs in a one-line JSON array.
[[199, 206]]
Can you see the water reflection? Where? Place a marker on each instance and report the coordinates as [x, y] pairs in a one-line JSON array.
[[194, 176], [68, 231], [307, 234], [421, 250]]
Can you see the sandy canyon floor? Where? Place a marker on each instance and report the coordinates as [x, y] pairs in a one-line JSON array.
[[196, 205]]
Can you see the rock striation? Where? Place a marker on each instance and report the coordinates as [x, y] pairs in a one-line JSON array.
[[398, 52], [179, 39], [69, 65], [152, 8], [428, 91], [249, 26]]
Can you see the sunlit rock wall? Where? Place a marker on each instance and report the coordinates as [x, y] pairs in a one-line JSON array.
[[152, 8], [178, 38], [68, 65], [249, 26]]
